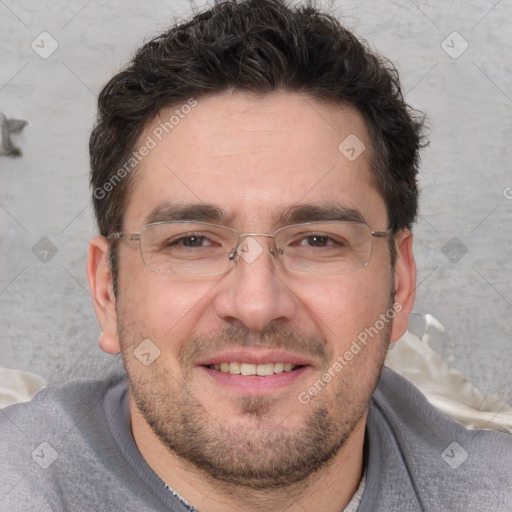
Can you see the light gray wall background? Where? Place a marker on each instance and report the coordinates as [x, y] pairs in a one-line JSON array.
[[47, 324]]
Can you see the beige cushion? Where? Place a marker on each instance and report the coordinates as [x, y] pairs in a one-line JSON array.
[[445, 388], [17, 386]]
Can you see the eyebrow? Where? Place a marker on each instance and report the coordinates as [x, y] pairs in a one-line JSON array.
[[296, 214], [300, 213], [199, 212]]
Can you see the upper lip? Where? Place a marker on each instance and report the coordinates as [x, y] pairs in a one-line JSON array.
[[253, 356]]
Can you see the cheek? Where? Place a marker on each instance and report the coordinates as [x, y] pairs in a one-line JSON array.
[[345, 305], [160, 308]]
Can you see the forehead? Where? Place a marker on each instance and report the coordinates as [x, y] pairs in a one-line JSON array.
[[253, 157]]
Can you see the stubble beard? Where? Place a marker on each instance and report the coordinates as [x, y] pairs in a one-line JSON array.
[[260, 451]]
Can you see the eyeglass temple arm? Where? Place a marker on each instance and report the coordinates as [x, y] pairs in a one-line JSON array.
[[381, 234], [127, 236]]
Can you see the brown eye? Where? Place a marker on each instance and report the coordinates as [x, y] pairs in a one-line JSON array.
[[191, 241], [317, 240]]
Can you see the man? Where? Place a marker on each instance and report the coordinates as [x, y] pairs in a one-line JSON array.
[[254, 182]]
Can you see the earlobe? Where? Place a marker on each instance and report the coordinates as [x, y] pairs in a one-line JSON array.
[[405, 283], [99, 277]]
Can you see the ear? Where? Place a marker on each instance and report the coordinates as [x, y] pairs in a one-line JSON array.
[[100, 283], [405, 283]]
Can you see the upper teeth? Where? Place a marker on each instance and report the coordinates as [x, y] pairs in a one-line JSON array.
[[253, 369]]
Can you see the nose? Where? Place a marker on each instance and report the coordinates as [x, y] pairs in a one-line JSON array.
[[254, 293]]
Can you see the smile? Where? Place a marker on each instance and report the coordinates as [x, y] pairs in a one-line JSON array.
[[261, 370]]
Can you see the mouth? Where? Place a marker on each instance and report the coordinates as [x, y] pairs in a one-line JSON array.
[[255, 372], [251, 369]]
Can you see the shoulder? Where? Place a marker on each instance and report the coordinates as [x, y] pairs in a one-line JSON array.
[[43, 439], [405, 406], [441, 459], [57, 405]]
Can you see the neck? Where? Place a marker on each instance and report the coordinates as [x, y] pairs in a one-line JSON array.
[[330, 489]]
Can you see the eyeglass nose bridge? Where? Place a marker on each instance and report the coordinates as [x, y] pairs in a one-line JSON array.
[[234, 254]]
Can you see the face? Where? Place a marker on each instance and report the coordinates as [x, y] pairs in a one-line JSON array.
[[257, 163]]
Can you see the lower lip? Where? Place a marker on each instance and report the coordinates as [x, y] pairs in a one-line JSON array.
[[254, 384]]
